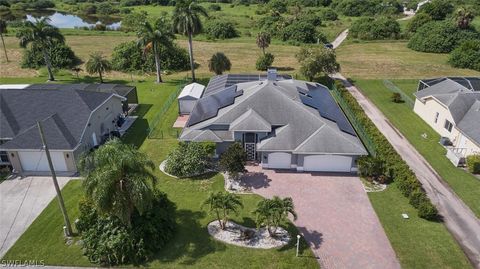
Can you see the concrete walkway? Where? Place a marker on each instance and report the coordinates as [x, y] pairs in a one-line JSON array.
[[334, 216], [21, 201], [458, 218]]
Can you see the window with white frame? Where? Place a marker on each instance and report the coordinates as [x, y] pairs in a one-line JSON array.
[[436, 117], [448, 125]]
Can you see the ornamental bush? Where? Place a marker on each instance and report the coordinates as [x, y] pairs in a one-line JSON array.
[[473, 164], [264, 61], [368, 28], [437, 9], [129, 57], [108, 241], [189, 159], [220, 29], [233, 160], [328, 14], [61, 56], [301, 31], [418, 21], [440, 37], [356, 8], [467, 55]]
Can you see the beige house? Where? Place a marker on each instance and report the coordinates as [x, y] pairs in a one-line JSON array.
[[74, 121], [451, 106]]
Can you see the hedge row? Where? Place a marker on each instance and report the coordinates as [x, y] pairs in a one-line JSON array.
[[397, 168]]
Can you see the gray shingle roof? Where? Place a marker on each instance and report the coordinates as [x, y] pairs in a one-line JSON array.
[[64, 114], [278, 104], [470, 124]]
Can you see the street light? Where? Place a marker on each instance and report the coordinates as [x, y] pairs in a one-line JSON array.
[[298, 243]]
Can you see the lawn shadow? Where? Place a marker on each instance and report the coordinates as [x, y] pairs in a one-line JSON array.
[[248, 222], [191, 241], [138, 132]]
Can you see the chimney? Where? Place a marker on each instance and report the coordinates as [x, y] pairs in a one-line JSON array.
[[272, 74]]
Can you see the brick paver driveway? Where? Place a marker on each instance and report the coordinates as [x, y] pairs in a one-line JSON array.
[[334, 215]]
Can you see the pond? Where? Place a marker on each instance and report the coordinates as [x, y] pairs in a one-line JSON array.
[[64, 20]]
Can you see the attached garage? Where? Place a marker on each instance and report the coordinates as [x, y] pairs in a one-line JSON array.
[[279, 160], [37, 161], [327, 163]]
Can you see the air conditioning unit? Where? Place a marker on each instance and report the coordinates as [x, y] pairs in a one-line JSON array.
[[445, 141]]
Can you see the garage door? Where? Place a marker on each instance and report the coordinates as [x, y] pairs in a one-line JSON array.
[[327, 163], [279, 160], [37, 161]]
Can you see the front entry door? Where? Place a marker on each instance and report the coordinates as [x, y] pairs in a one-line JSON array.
[[249, 144]]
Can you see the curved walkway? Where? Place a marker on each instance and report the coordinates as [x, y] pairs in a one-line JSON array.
[[334, 216]]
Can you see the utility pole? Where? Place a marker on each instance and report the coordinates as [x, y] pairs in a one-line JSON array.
[[68, 226]]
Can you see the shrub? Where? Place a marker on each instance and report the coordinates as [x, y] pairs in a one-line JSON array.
[[418, 21], [279, 6], [426, 210], [214, 7], [440, 37], [437, 9], [396, 97], [358, 8], [129, 57], [328, 14], [271, 24], [467, 55], [264, 61], [220, 29], [188, 159], [417, 197], [473, 164], [371, 167], [373, 29], [106, 8], [61, 56], [233, 160], [317, 61], [88, 9], [42, 4], [301, 32], [133, 21], [108, 241]]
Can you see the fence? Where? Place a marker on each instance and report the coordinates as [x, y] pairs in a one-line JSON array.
[[154, 130], [393, 88], [364, 137]]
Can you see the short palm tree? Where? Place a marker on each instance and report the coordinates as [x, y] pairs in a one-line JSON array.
[[222, 204], [118, 180], [273, 212], [42, 35], [263, 41], [464, 17], [151, 38], [97, 63], [3, 30], [219, 63], [186, 21]]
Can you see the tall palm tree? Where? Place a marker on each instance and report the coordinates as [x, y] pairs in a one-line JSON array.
[[263, 41], [272, 212], [97, 63], [186, 21], [42, 35], [118, 179], [222, 204], [151, 38], [3, 30], [464, 17]]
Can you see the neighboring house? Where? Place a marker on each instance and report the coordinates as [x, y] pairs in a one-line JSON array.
[[73, 120], [282, 123], [451, 106], [188, 97]]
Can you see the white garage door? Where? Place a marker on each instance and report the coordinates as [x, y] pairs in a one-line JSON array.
[[37, 161], [327, 163], [279, 160]]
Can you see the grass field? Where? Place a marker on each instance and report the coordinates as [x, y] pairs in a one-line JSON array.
[[465, 185], [192, 246]]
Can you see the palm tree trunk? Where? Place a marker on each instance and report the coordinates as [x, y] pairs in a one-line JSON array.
[[4, 48], [190, 51], [100, 75], [219, 220], [263, 50], [48, 64], [157, 63]]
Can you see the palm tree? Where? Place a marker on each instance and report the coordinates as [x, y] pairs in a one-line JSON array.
[[186, 21], [98, 64], [222, 204], [273, 212], [219, 63], [118, 179], [42, 35], [263, 41], [3, 30], [464, 17], [77, 70], [151, 38]]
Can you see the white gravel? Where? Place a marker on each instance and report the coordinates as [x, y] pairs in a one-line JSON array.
[[261, 239], [235, 186]]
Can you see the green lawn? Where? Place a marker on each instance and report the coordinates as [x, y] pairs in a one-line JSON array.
[[465, 185], [418, 243], [191, 246]]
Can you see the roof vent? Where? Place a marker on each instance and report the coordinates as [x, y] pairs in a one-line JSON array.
[[272, 74]]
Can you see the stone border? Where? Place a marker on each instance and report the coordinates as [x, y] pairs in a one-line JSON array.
[[376, 187], [260, 240], [162, 168]]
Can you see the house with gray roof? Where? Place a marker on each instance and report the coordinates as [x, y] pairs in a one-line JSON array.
[[74, 121], [282, 123], [451, 106]]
